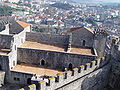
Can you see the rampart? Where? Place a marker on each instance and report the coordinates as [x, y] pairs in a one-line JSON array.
[[115, 52], [69, 79], [114, 77], [53, 59], [61, 40]]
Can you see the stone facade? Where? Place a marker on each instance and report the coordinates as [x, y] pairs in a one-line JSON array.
[[86, 77], [83, 38], [96, 80], [8, 49], [53, 59], [114, 83], [5, 41], [59, 40]]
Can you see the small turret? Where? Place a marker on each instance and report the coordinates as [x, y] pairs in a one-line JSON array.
[[100, 41]]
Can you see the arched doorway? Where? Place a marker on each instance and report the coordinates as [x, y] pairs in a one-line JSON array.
[[42, 62], [29, 81], [70, 67]]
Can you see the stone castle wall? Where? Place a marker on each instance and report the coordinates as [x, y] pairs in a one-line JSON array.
[[115, 52], [20, 78], [100, 44], [114, 77], [5, 41], [53, 59], [96, 80], [60, 40], [4, 63], [80, 36], [86, 77]]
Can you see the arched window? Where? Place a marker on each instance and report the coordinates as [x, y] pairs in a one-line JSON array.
[[42, 62], [70, 67], [83, 43]]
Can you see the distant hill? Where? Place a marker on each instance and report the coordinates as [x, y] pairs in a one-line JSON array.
[[64, 6], [62, 0], [89, 1]]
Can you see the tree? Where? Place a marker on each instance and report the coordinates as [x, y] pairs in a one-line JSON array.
[[5, 10]]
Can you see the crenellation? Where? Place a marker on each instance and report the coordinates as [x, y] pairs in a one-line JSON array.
[[75, 71], [42, 85], [68, 74], [59, 77], [32, 87], [51, 81], [22, 89], [81, 68], [93, 63], [87, 66]]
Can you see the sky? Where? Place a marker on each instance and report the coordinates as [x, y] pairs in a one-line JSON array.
[[107, 1]]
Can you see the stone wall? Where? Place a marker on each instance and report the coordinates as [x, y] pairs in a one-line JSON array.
[[82, 36], [100, 44], [61, 40], [5, 41], [4, 63], [115, 52], [20, 78], [53, 59], [86, 77], [114, 77], [97, 80]]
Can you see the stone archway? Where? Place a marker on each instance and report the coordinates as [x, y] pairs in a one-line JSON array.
[[42, 62]]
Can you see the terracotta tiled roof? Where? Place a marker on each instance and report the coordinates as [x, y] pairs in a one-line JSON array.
[[23, 24], [4, 51], [36, 45], [36, 70], [83, 51], [75, 28], [80, 28]]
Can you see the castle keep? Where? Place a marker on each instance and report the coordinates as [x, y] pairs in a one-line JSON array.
[[35, 61]]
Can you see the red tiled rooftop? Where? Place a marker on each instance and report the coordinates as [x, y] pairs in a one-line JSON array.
[[83, 51], [4, 51], [36, 70], [40, 46], [36, 45], [80, 28], [23, 24]]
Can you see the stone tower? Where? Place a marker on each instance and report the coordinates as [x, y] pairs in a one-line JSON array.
[[100, 42]]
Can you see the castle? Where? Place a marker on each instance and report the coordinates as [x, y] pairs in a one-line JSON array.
[[75, 60]]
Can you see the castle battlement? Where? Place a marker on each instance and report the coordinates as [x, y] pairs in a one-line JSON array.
[[68, 76]]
